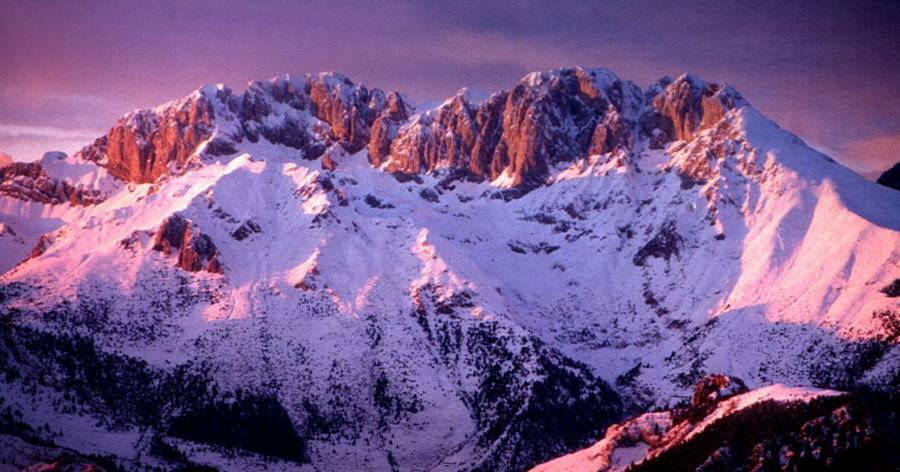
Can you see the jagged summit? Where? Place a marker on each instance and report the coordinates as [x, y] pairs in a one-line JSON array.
[[545, 118]]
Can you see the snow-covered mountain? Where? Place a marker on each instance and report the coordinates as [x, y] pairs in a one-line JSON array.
[[429, 289]]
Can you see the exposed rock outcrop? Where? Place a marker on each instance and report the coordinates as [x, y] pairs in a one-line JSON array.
[[445, 136], [544, 119], [65, 463], [196, 251], [515, 136], [554, 117], [384, 129], [23, 451], [679, 110], [308, 114], [665, 244], [332, 155], [350, 109], [145, 144], [43, 243], [245, 230], [29, 182]]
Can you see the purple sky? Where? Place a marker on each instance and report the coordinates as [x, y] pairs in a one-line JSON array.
[[828, 71]]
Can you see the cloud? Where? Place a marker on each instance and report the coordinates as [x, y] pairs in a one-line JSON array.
[[25, 96], [22, 131], [26, 142]]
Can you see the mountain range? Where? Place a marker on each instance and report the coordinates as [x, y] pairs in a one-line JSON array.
[[312, 274]]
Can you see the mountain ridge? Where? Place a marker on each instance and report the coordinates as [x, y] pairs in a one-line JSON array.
[[411, 310], [675, 110]]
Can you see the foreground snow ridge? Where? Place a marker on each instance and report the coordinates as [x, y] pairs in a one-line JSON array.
[[652, 434]]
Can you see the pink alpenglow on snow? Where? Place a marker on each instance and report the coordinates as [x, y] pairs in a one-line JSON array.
[[560, 268]]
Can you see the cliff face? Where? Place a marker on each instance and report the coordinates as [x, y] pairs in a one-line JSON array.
[[349, 109], [514, 136], [307, 115], [544, 119], [679, 110], [384, 129], [143, 148], [553, 117]]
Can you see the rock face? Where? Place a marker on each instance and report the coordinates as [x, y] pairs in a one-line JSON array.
[[442, 136], [196, 251], [891, 177], [308, 115], [349, 109], [28, 181], [553, 117], [384, 129], [515, 136], [142, 146], [43, 243], [544, 119], [679, 110]]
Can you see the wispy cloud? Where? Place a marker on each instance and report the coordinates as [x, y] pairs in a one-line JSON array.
[[24, 97], [21, 131]]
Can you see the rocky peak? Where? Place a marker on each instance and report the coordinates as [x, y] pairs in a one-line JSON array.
[[384, 129], [512, 138], [547, 117], [309, 115], [350, 109], [144, 144], [441, 136], [559, 115], [278, 111], [678, 110], [29, 182]]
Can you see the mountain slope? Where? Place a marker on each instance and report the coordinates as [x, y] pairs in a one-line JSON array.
[[727, 427], [507, 262]]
